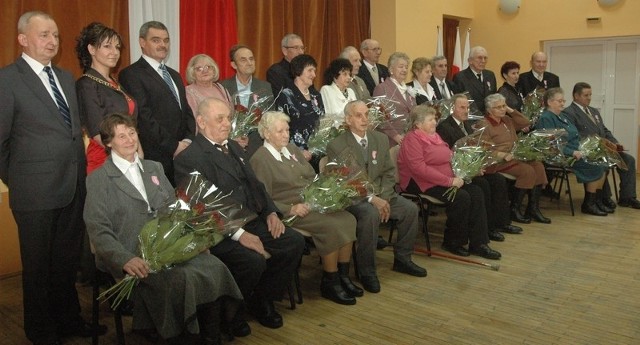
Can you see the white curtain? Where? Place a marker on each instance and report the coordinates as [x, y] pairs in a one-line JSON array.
[[165, 11]]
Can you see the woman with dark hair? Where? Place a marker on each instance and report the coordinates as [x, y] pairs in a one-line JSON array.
[[592, 176], [421, 70], [510, 72], [184, 303], [336, 92], [99, 93], [302, 103]]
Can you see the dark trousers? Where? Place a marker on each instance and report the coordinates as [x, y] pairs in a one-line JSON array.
[[254, 274], [496, 196], [466, 215], [50, 243], [627, 178]]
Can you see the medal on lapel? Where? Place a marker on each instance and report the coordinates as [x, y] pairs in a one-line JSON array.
[[374, 154]]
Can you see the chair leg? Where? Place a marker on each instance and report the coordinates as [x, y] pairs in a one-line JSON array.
[[615, 183], [117, 317], [354, 258], [566, 177], [95, 312], [425, 225]]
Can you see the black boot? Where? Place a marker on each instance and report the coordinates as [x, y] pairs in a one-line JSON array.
[[331, 289], [516, 205], [345, 281], [600, 202], [209, 319], [533, 207], [589, 205]]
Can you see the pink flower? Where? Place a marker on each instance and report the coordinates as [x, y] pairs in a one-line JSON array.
[[374, 154], [155, 180]]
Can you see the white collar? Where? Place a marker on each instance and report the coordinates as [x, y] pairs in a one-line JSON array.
[[358, 138], [538, 76], [223, 143], [153, 62], [285, 152], [369, 66], [122, 164], [457, 121], [35, 65]]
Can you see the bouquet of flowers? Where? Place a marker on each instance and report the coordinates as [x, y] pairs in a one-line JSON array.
[[539, 145], [323, 134], [338, 186], [533, 105], [471, 154], [599, 151], [246, 119], [381, 110], [196, 221]]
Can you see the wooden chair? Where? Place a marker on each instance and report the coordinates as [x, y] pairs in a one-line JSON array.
[[425, 202]]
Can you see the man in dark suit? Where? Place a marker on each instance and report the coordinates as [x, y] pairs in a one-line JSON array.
[[371, 71], [279, 74], [264, 254], [165, 120], [537, 77], [589, 122], [357, 84], [443, 88], [42, 162], [247, 90], [476, 80], [497, 194], [371, 151]]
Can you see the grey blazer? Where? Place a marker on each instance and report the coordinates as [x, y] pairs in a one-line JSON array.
[[41, 159], [585, 126], [260, 88], [115, 211]]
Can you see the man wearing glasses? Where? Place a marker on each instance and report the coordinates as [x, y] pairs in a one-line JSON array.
[[279, 74], [371, 71]]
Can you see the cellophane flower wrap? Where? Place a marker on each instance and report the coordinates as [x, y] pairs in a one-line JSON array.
[[341, 184], [540, 145], [245, 120], [533, 105], [325, 131], [381, 109], [600, 151], [471, 154], [199, 219]]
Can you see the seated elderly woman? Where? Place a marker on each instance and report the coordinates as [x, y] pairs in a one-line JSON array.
[[500, 129], [421, 70], [510, 72], [302, 103], [336, 92], [395, 89], [202, 76], [592, 176], [424, 165], [281, 167], [179, 302]]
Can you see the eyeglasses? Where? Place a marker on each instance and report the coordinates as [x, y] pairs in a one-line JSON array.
[[201, 69], [301, 48]]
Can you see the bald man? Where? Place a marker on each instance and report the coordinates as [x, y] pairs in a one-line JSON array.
[[538, 77], [371, 71]]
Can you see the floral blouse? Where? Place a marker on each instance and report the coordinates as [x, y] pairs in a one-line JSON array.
[[304, 113]]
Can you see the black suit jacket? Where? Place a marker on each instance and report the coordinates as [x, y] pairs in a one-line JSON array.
[[230, 172], [528, 82], [450, 132], [383, 73], [466, 80], [453, 89], [41, 159], [162, 122]]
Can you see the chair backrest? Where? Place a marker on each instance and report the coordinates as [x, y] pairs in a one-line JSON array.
[[393, 155], [323, 163]]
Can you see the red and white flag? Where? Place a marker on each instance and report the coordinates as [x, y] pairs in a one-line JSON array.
[[467, 50], [439, 46], [457, 55]]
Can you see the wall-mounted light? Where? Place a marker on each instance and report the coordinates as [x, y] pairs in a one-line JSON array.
[[607, 2], [509, 6]]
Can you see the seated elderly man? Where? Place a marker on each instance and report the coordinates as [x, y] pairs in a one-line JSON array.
[[263, 255], [371, 150]]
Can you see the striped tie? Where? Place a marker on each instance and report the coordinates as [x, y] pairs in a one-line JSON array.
[[167, 79], [62, 105]]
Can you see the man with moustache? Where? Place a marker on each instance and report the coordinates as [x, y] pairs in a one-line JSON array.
[[165, 120], [443, 88], [42, 161], [371, 71]]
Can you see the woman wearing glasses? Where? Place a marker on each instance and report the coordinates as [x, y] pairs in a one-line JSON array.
[[202, 75]]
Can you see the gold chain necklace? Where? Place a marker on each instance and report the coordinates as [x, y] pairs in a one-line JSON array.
[[109, 85]]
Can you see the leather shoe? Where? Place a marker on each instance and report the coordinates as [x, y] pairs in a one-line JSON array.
[[630, 202], [496, 236], [382, 244], [333, 291], [409, 267], [455, 250], [350, 288], [266, 313], [485, 251], [84, 330], [511, 229], [239, 328], [370, 283], [609, 203]]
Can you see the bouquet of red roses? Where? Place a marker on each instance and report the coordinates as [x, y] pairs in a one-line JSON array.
[[246, 119], [199, 219], [341, 183], [381, 110]]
